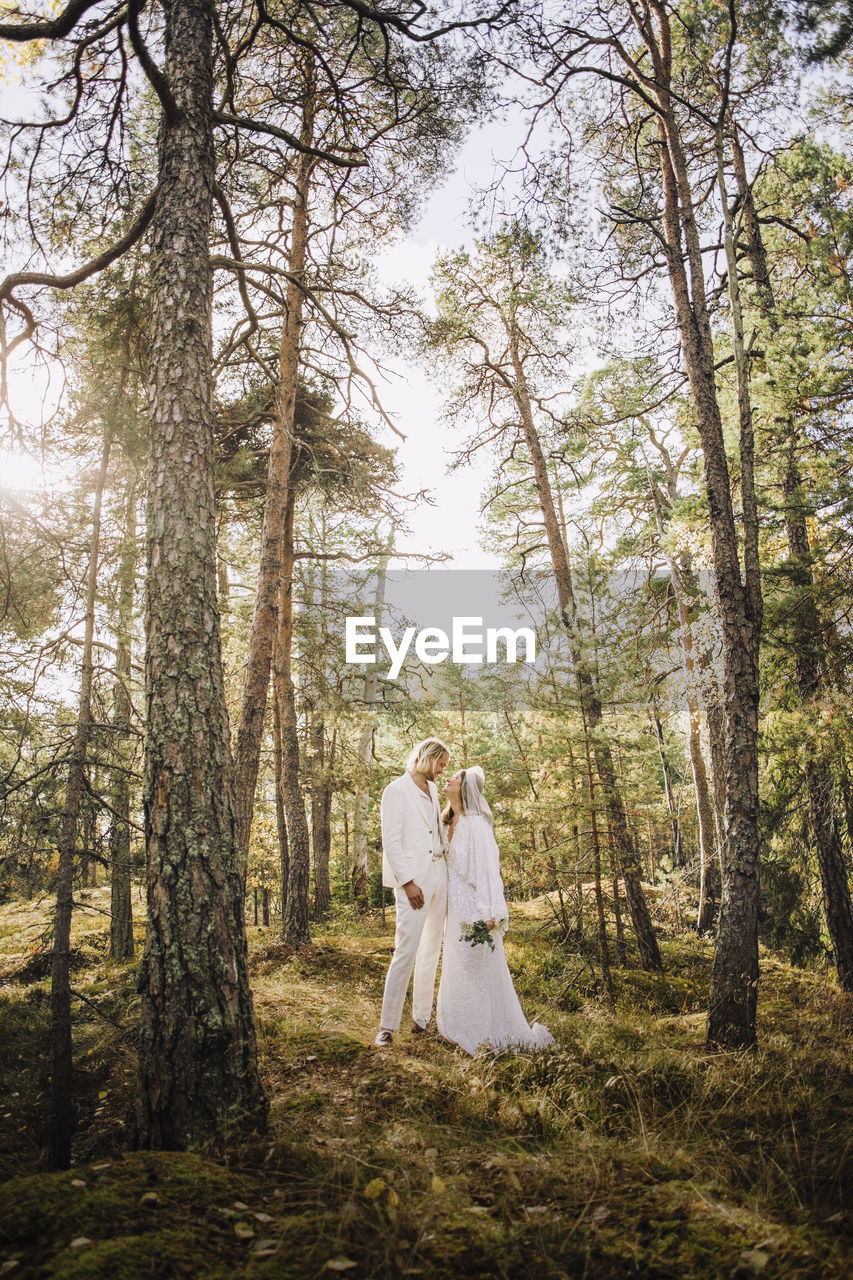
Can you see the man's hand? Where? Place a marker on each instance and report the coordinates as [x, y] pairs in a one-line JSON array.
[[414, 894]]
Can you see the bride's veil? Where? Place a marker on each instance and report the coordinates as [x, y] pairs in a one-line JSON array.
[[473, 799]]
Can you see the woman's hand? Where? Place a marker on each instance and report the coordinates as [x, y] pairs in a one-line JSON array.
[[490, 924]]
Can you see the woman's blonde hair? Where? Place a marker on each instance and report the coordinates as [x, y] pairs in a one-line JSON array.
[[424, 755]]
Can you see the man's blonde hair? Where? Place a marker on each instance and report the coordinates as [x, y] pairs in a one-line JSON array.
[[424, 756]]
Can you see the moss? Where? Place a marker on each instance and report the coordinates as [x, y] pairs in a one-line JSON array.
[[163, 1254], [51, 1208]]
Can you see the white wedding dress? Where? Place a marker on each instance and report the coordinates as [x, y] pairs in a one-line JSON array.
[[477, 1005]]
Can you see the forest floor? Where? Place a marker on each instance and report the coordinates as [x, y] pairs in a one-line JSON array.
[[629, 1151]]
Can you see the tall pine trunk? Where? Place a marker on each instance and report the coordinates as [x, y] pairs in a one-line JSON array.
[[198, 1073], [295, 927], [626, 852], [265, 618], [121, 909], [733, 1002]]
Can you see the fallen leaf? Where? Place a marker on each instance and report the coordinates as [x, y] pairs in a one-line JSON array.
[[80, 1242], [340, 1264], [755, 1259], [265, 1248], [393, 1198], [264, 1217], [374, 1188], [437, 1185], [244, 1230], [238, 1204], [77, 1182], [149, 1200]]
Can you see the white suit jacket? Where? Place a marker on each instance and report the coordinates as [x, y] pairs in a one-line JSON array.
[[407, 840]]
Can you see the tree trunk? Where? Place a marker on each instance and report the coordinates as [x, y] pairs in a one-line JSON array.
[[809, 647], [121, 908], [826, 833], [321, 828], [365, 753], [627, 854], [733, 1002], [601, 922], [295, 927], [677, 847], [265, 618], [680, 572], [61, 1123], [280, 815], [198, 1056]]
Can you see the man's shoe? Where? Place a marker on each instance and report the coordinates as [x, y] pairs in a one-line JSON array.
[[418, 1030], [385, 1039]]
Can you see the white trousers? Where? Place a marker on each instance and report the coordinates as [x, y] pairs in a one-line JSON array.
[[417, 944]]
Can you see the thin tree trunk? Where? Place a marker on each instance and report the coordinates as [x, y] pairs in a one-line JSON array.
[[265, 618], [280, 815], [677, 847], [61, 1123], [295, 916], [626, 851], [198, 1055], [733, 1002], [601, 921], [837, 904], [709, 824], [321, 832], [121, 908], [365, 752]]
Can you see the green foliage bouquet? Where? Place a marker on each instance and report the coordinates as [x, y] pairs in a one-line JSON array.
[[476, 934]]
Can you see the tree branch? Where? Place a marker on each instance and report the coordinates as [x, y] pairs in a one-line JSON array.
[[47, 28], [260, 126]]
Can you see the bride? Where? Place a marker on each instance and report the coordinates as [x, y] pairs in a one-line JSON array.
[[477, 1004]]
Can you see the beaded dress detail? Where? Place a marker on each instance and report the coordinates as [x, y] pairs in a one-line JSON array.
[[477, 1005]]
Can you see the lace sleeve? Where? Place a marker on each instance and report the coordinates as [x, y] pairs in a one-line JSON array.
[[491, 903]]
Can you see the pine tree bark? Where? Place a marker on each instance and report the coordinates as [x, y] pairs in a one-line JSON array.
[[198, 1074], [121, 907], [62, 1120], [265, 617], [295, 926]]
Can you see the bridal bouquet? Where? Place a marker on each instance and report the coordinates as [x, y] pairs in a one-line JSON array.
[[476, 934]]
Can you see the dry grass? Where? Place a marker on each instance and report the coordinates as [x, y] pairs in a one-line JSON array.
[[629, 1151]]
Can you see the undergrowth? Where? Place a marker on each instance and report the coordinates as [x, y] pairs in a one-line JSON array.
[[630, 1150]]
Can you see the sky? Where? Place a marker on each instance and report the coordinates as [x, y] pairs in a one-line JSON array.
[[413, 400], [448, 526]]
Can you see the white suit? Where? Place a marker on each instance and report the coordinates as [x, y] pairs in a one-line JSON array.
[[413, 849]]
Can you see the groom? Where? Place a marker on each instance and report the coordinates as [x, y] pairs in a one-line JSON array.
[[413, 865]]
